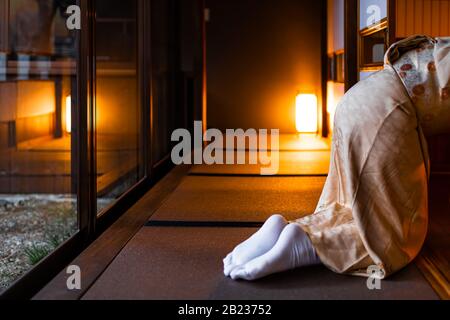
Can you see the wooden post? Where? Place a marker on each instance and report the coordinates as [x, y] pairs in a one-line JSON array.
[[351, 43], [4, 25]]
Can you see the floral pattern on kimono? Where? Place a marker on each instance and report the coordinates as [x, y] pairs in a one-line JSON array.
[[418, 72]]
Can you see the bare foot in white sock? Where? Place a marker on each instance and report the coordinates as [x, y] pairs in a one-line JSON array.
[[292, 250], [258, 244]]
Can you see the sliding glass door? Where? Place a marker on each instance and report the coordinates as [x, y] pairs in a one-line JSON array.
[[72, 123], [38, 164], [86, 115], [118, 111]]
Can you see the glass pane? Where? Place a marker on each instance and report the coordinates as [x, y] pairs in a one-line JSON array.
[[118, 111], [373, 48], [365, 74], [38, 60], [164, 48], [371, 12]]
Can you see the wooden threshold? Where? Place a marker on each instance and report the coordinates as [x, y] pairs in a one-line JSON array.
[[436, 271], [98, 256], [434, 258]]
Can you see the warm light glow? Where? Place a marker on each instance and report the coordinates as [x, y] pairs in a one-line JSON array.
[[331, 103], [306, 113], [335, 91], [69, 114]]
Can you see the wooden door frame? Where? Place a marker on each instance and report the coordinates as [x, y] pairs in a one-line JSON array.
[[351, 43], [4, 26], [351, 12], [392, 9]]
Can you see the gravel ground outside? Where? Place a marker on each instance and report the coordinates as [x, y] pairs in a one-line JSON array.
[[30, 224]]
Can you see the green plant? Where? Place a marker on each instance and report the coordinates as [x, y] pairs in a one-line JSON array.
[[37, 253], [54, 241], [55, 233]]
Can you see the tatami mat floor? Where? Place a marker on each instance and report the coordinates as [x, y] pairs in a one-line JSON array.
[[177, 261]]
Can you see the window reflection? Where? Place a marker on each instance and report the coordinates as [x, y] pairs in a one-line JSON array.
[[373, 48], [38, 209], [118, 111], [163, 77], [373, 35]]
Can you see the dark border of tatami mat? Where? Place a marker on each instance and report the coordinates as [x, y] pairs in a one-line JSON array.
[[204, 224], [290, 164], [290, 142], [254, 175]]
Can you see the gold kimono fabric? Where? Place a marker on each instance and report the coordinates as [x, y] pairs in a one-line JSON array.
[[374, 206]]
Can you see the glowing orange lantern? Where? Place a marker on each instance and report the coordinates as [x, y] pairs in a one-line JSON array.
[[306, 115]]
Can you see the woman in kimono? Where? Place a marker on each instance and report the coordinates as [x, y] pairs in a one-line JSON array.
[[374, 207]]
